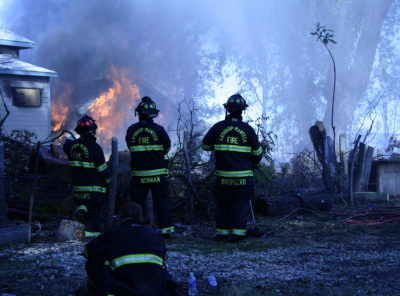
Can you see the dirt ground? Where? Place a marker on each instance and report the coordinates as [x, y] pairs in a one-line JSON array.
[[313, 254]]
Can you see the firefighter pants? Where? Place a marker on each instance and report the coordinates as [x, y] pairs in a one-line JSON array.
[[232, 206], [138, 189], [91, 211]]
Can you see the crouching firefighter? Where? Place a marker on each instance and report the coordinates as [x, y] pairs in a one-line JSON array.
[[148, 142], [90, 175], [237, 153], [129, 259]]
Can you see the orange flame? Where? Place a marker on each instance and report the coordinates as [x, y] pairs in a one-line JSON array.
[[60, 108], [112, 110]]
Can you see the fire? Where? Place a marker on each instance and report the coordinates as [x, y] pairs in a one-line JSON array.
[[60, 107], [112, 110]]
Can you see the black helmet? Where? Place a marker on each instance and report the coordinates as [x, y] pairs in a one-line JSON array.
[[86, 126], [147, 108], [235, 103]]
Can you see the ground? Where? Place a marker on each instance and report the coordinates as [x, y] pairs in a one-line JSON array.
[[313, 254]]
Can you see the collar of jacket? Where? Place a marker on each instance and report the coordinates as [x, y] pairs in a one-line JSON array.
[[130, 221], [87, 138], [230, 116], [147, 120]]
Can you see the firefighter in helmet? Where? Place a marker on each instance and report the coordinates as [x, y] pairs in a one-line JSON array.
[[128, 260], [90, 175], [237, 153], [148, 142]]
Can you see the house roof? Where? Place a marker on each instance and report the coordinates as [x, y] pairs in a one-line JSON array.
[[13, 66], [11, 39]]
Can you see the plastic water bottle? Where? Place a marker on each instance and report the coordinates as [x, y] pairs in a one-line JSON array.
[[192, 285], [212, 281]]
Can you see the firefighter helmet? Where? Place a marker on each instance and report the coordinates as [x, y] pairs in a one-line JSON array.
[[147, 108], [86, 126], [236, 103]]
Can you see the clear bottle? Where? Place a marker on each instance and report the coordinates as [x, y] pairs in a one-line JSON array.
[[192, 285]]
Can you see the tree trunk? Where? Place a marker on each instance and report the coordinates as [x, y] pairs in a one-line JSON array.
[[353, 75]]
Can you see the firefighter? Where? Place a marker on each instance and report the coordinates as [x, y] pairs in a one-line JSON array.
[[129, 259], [90, 175], [148, 142], [237, 153]]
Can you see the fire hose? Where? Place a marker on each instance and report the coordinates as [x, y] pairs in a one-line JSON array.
[[385, 216]]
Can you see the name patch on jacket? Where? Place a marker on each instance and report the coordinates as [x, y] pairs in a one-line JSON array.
[[150, 180], [233, 182], [82, 195], [236, 129], [83, 147], [150, 131]]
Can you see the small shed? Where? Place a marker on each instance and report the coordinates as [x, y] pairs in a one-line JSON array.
[[25, 88], [385, 176]]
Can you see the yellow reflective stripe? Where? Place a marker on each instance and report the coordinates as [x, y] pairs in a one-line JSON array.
[[234, 174], [108, 181], [223, 231], [232, 148], [102, 167], [146, 148], [256, 152], [239, 231], [167, 230], [81, 208], [76, 163], [149, 173], [91, 234], [89, 188], [205, 147], [137, 258]]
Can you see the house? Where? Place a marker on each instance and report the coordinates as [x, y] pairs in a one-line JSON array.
[[25, 88]]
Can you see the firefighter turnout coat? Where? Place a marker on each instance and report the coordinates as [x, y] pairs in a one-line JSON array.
[[147, 142], [237, 150], [127, 260], [90, 174], [237, 153]]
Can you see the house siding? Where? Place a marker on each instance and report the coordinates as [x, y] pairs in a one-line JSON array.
[[33, 119]]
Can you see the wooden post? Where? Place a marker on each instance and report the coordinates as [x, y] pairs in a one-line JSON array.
[[343, 155], [351, 170], [358, 171], [189, 176], [3, 204], [367, 170], [34, 184], [113, 184]]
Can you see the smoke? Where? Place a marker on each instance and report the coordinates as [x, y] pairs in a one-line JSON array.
[[186, 49]]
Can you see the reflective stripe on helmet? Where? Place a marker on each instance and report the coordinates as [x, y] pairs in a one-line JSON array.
[[234, 174], [89, 188], [76, 163], [146, 148], [232, 148], [149, 173]]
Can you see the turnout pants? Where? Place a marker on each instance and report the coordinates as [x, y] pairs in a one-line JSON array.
[[232, 207], [91, 210], [138, 189]]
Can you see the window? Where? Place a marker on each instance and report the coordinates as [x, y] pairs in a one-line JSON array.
[[26, 97]]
